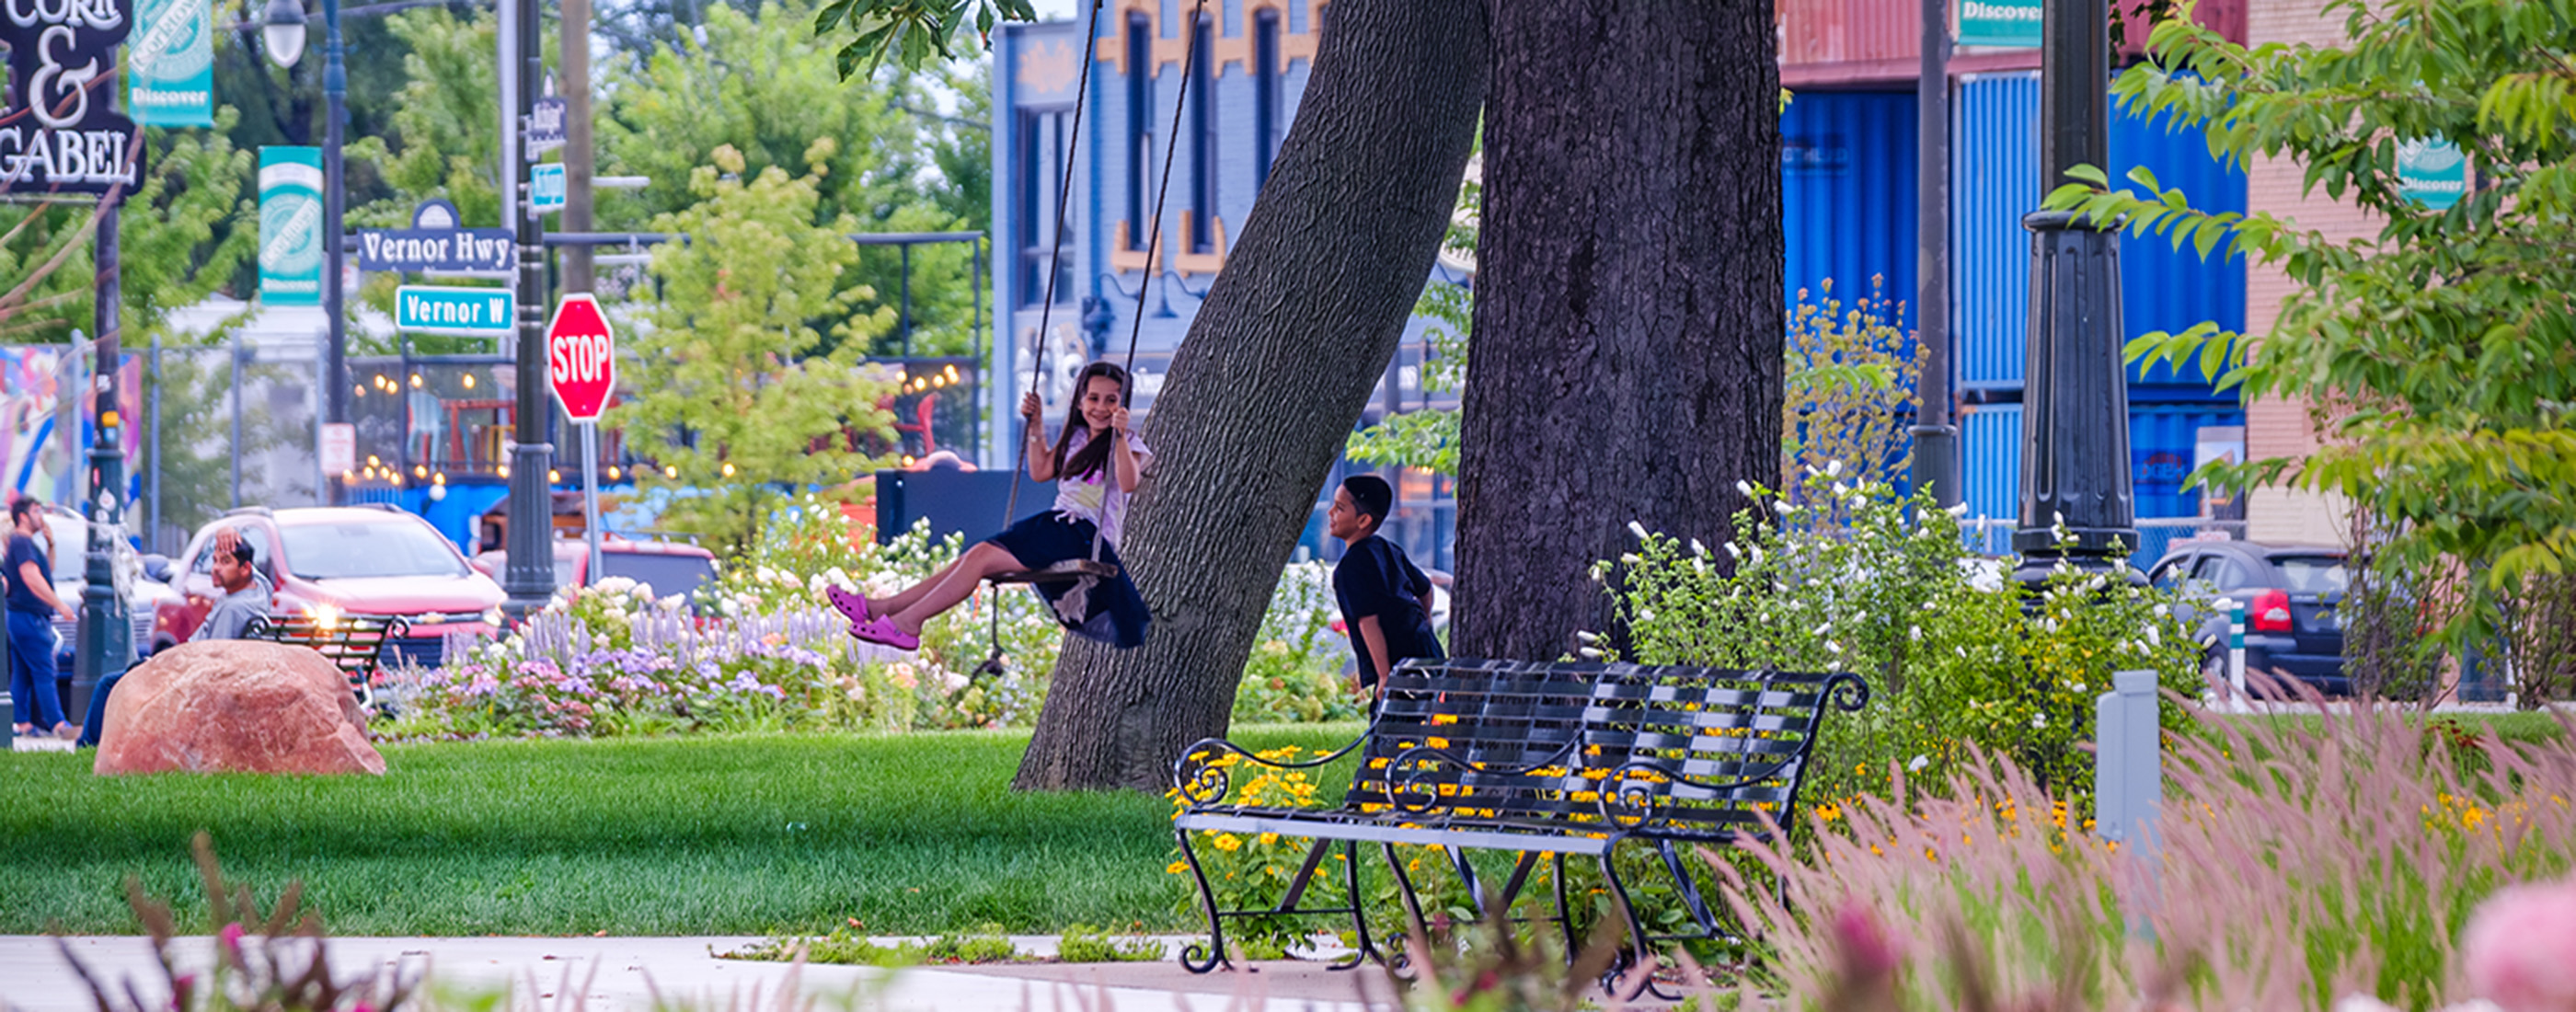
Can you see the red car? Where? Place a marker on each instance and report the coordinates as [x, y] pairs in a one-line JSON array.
[[669, 566], [357, 560]]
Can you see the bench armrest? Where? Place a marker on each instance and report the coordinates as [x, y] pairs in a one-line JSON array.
[[1628, 798], [1199, 780]]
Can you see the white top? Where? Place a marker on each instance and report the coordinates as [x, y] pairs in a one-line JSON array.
[[1096, 497]]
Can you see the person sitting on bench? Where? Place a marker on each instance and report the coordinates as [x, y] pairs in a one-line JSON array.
[[1097, 464], [1382, 595]]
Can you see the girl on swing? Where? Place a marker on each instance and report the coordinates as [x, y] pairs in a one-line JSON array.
[[1096, 464]]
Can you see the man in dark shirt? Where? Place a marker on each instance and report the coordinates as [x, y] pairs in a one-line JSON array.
[[1381, 593], [31, 607]]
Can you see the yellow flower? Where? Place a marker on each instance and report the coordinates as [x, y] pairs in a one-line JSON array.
[[1269, 838], [1177, 868], [1227, 842]]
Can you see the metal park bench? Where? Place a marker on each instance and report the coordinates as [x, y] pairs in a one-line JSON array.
[[353, 643], [1545, 760]]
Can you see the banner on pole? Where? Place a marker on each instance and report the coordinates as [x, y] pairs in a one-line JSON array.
[[171, 58], [290, 226], [2015, 23], [2433, 172]]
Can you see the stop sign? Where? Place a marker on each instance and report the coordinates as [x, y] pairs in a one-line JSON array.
[[580, 359]]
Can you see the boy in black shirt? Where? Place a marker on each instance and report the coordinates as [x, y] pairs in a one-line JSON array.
[[1381, 593]]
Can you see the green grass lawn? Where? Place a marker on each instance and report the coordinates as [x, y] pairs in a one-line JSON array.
[[911, 834]]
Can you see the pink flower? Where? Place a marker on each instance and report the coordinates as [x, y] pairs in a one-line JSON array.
[[2520, 947]]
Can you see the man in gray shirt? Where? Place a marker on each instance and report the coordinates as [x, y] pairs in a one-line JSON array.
[[246, 595]]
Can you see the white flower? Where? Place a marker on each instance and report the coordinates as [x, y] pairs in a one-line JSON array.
[[1629, 558], [1842, 491], [814, 584], [1786, 507], [1916, 764], [1833, 468], [1734, 552], [1958, 509], [1914, 633], [1833, 646], [2039, 720], [1757, 555], [1744, 488], [1589, 653], [1697, 548], [2162, 611], [2079, 686], [2155, 638], [1645, 614], [1586, 638], [1637, 529], [1827, 627], [954, 682]]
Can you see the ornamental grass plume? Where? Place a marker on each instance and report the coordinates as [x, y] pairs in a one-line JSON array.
[[2302, 861]]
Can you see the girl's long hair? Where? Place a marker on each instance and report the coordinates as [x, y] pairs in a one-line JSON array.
[[1094, 455]]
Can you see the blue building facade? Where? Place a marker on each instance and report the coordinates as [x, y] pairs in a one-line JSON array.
[[1848, 165], [1112, 284]]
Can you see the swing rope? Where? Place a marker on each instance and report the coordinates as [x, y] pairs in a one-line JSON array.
[[1075, 602], [1071, 607]]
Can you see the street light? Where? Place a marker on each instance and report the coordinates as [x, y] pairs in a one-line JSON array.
[[282, 28]]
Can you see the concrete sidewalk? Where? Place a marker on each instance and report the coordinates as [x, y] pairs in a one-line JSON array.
[[618, 974]]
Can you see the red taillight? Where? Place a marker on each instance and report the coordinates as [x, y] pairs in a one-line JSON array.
[[2270, 611]]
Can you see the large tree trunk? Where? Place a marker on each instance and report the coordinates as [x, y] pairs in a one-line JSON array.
[[1628, 305], [1268, 383]]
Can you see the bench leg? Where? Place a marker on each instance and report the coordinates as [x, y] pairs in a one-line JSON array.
[[1564, 914], [1404, 890], [1193, 957], [1467, 877], [1691, 898], [1640, 958], [1359, 914]]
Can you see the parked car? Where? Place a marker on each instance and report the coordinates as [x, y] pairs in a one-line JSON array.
[[355, 560], [670, 567], [2291, 595]]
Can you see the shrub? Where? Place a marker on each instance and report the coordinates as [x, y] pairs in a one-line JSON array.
[[1295, 671], [1956, 655]]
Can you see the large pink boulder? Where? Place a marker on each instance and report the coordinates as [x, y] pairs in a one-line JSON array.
[[236, 706]]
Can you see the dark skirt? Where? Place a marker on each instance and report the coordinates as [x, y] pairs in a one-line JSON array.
[[1113, 613]]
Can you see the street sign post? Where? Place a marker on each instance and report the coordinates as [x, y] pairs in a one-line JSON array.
[[470, 312], [581, 364]]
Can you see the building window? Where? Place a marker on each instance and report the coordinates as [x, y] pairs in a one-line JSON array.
[[1265, 95], [1140, 126], [1040, 155], [1202, 137]]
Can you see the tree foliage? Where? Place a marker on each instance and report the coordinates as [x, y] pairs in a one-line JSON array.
[[734, 391], [2439, 353], [181, 235]]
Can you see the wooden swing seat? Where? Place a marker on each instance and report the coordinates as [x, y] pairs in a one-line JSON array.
[[1066, 571]]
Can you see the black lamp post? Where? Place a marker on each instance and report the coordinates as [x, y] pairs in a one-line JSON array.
[[2075, 415], [283, 30], [528, 572]]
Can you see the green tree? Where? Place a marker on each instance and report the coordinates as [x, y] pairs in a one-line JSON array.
[[2440, 352], [761, 84], [182, 234], [734, 390]]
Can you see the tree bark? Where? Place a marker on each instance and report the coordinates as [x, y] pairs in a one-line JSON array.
[[1628, 309], [1267, 385]]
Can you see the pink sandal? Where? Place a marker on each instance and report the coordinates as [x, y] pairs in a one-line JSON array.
[[882, 631], [851, 606]]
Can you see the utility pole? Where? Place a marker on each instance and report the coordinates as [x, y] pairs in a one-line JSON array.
[[335, 93], [578, 165], [1936, 434], [529, 574], [2075, 420]]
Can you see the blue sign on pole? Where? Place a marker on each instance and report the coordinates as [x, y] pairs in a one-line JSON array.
[[290, 226], [171, 63], [472, 312], [545, 188], [435, 244]]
